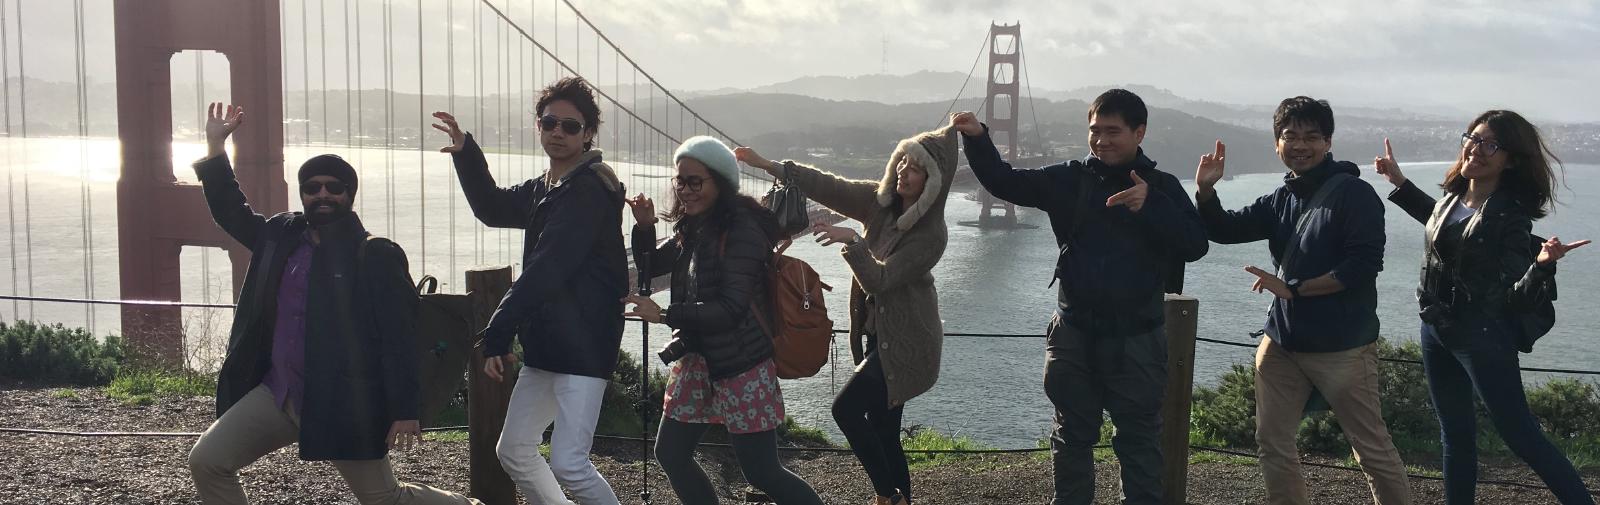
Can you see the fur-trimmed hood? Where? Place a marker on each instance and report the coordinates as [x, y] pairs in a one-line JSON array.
[[595, 160], [936, 152]]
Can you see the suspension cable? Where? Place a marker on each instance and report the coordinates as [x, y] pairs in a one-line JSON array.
[[422, 143], [450, 86], [83, 159], [11, 188], [966, 81], [27, 186]]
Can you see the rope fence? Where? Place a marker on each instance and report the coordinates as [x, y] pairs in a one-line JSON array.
[[824, 450], [1230, 343]]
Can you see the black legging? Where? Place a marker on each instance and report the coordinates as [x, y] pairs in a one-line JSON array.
[[873, 429], [758, 459]]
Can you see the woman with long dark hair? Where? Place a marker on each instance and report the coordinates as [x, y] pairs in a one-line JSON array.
[[722, 369], [1480, 273]]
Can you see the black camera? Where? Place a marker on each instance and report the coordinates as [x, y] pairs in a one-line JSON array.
[[1437, 314], [673, 351]]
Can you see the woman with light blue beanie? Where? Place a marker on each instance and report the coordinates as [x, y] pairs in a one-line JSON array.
[[722, 369]]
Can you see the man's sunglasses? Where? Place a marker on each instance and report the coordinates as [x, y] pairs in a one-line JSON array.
[[569, 126], [314, 187]]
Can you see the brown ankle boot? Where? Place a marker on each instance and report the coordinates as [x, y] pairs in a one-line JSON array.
[[890, 500]]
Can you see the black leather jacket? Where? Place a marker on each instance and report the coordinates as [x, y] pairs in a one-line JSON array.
[[719, 274], [1494, 272]]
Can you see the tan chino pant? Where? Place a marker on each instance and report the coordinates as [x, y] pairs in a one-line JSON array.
[[1349, 380], [254, 427]]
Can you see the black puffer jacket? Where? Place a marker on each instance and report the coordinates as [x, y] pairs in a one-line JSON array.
[[719, 274], [1493, 271]]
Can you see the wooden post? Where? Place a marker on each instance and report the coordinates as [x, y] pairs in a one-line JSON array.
[[486, 399], [1182, 312]]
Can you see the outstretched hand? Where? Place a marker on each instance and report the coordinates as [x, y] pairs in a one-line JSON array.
[[221, 121], [644, 210], [457, 137], [750, 157], [1266, 281], [1553, 250], [643, 308], [829, 235], [967, 123]]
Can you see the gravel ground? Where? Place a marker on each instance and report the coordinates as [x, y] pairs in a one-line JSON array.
[[48, 469]]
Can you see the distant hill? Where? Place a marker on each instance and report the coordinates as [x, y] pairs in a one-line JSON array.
[[797, 127], [855, 134]]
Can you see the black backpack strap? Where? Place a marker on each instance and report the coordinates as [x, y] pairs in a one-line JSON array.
[[1319, 200]]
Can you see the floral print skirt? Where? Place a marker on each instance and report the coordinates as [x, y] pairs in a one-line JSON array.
[[746, 403]]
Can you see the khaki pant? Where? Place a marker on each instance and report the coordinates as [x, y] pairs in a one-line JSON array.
[[1349, 381], [254, 427]]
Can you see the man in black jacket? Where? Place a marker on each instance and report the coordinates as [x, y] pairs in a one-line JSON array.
[[1324, 228], [1125, 230], [323, 344], [566, 305]]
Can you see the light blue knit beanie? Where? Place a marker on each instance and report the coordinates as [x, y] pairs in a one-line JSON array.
[[714, 154]]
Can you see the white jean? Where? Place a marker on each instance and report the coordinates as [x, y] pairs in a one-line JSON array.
[[572, 402]]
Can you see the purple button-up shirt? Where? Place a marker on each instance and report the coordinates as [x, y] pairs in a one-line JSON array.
[[286, 377]]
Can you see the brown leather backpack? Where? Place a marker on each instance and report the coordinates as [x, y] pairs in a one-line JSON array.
[[803, 333]]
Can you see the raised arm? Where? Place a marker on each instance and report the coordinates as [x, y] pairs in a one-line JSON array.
[[1252, 223], [493, 205], [225, 200], [1026, 187], [1410, 198], [662, 256], [853, 199]]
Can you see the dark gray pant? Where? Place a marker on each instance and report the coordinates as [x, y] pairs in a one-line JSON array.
[[758, 460], [1086, 375]]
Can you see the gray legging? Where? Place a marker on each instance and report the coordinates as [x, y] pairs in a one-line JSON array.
[[758, 459]]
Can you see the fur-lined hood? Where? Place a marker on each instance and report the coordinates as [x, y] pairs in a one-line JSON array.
[[594, 159], [936, 152]]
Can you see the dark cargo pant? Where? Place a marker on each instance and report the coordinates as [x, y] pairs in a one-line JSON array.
[[1086, 375]]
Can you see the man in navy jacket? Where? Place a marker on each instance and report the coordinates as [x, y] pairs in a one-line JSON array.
[[566, 305], [1125, 230], [1322, 330]]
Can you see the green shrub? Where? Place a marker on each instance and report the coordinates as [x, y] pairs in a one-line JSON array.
[[57, 355], [619, 412], [1567, 408], [1226, 414], [1569, 411]]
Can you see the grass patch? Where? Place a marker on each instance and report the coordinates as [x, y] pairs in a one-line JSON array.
[[67, 394], [144, 387], [456, 436], [1197, 457], [1584, 451], [805, 436], [924, 439]]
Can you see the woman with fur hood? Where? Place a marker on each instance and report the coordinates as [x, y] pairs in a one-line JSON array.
[[895, 330]]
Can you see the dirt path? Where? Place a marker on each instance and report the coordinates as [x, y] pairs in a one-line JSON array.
[[42, 469]]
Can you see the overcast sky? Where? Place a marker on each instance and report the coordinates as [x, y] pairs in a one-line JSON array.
[[1540, 57]]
